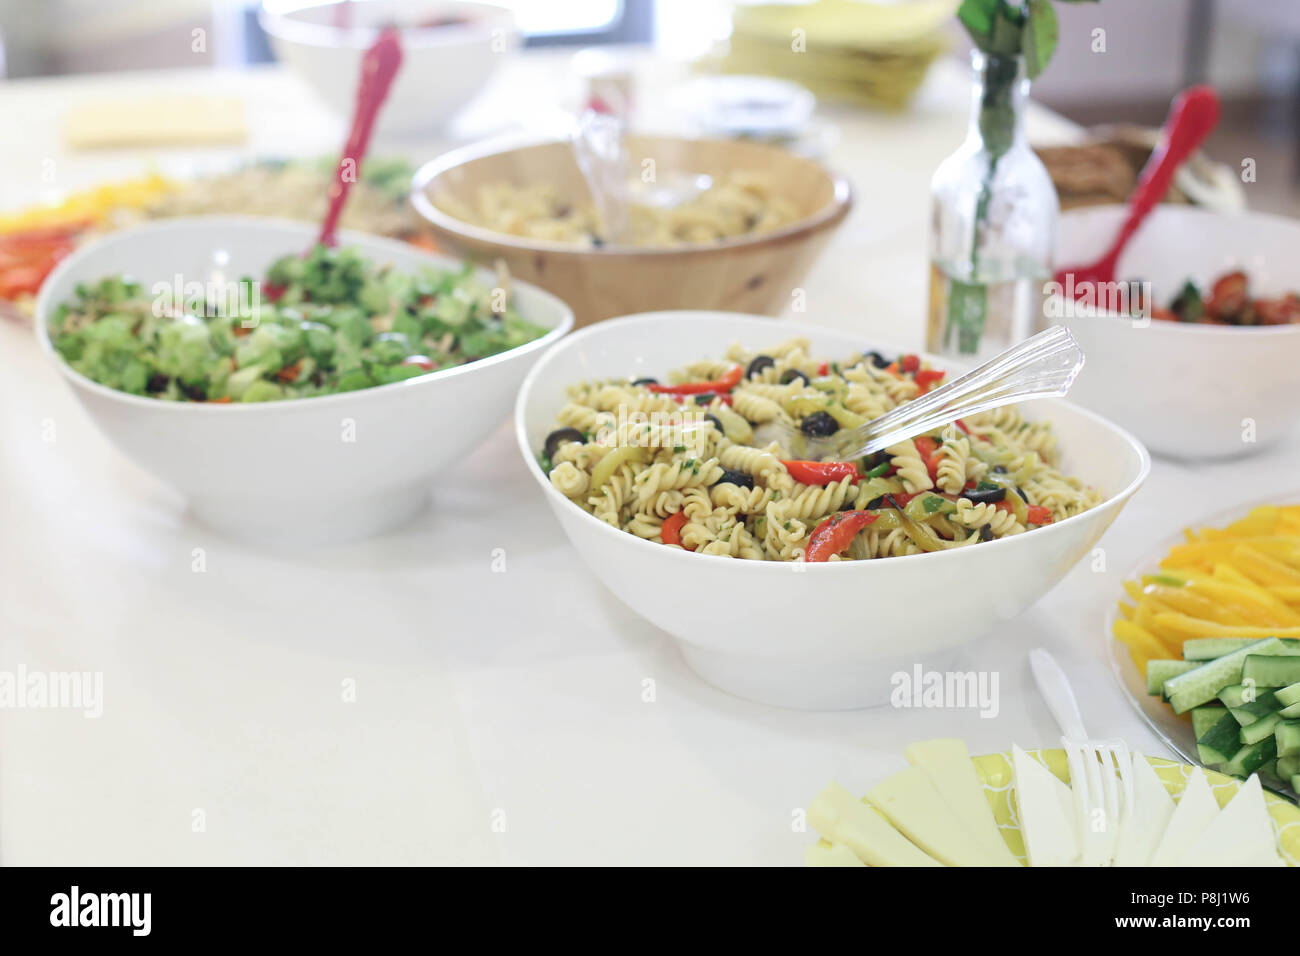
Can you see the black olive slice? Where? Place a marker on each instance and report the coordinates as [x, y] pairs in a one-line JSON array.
[[738, 478], [819, 424], [876, 359], [559, 437]]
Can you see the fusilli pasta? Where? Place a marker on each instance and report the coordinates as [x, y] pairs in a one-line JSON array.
[[688, 464]]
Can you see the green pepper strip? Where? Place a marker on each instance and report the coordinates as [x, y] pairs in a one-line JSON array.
[[606, 467]]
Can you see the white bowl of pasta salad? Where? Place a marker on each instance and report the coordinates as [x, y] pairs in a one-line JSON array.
[[793, 582]]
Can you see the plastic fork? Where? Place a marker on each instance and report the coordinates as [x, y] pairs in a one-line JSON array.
[[1042, 366], [1098, 797]]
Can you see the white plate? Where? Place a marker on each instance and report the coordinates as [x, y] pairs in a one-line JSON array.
[[1174, 731]]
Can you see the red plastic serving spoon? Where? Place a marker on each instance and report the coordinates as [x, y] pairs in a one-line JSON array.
[[378, 67], [1192, 117]]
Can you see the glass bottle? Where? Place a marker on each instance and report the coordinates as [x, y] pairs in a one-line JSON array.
[[993, 228]]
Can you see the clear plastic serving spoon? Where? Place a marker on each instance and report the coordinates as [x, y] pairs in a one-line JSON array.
[[1042, 366], [601, 151]]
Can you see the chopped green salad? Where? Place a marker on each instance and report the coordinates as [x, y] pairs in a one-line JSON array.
[[330, 322]]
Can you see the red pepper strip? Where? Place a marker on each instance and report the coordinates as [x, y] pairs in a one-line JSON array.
[[1039, 515], [670, 532], [928, 449], [909, 363], [22, 279], [824, 368], [836, 533], [821, 472], [24, 267], [962, 425], [290, 372], [724, 384], [26, 237], [927, 377]]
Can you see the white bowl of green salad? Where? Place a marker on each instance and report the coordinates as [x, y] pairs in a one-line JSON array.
[[291, 392]]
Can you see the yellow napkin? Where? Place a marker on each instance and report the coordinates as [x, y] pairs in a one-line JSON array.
[[156, 121]]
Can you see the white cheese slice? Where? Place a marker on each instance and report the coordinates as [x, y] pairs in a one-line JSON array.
[[839, 817], [1241, 834], [946, 762], [835, 855], [916, 808], [1143, 824], [1196, 810], [1045, 807]]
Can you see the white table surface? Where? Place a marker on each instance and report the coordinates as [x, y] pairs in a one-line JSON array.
[[499, 717]]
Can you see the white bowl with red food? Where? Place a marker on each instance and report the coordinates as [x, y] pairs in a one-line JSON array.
[[806, 634], [449, 52], [1200, 371]]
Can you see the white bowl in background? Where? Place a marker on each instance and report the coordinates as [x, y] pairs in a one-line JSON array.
[[443, 67], [1188, 391], [304, 470], [812, 636]]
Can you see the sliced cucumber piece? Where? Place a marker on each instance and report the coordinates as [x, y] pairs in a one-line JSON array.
[[1208, 648], [1288, 766], [1160, 671], [1286, 696], [1290, 713], [1250, 758], [1247, 718], [1270, 670], [1268, 776], [1202, 685], [1211, 757], [1287, 735], [1203, 718], [1254, 733], [1295, 782], [1248, 696], [1224, 736]]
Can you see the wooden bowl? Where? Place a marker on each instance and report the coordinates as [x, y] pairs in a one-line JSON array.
[[754, 274]]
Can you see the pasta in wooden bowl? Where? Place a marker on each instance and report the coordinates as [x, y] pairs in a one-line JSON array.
[[741, 245]]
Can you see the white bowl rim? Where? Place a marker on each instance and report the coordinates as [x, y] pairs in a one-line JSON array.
[[277, 20], [1181, 328], [45, 307], [692, 315], [841, 203]]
